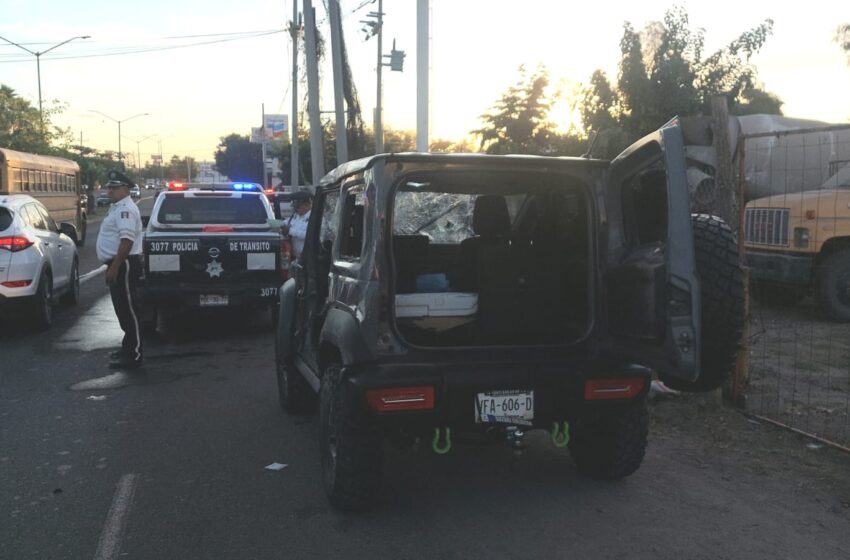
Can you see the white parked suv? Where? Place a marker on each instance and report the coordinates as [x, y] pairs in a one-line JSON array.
[[38, 260]]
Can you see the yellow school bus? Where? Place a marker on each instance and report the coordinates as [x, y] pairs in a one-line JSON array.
[[54, 181]]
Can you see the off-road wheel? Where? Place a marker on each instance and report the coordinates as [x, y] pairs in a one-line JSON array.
[[722, 297], [351, 447], [833, 286], [775, 295], [608, 443], [72, 296], [42, 303]]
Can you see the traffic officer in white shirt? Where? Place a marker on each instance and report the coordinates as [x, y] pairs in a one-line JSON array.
[[119, 246], [296, 227]]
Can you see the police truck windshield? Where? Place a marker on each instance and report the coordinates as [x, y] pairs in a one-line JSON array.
[[212, 209]]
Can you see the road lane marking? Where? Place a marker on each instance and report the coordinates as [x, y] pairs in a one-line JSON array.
[[89, 275], [109, 545]]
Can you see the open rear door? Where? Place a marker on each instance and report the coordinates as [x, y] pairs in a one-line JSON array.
[[652, 296]]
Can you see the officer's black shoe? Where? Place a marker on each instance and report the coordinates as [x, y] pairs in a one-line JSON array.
[[125, 362]]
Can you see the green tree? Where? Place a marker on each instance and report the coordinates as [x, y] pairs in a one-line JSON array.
[[20, 125], [239, 158], [664, 73], [842, 37], [518, 122]]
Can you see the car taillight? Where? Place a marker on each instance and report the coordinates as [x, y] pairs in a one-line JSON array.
[[613, 388], [400, 398], [15, 243], [216, 229], [176, 186], [17, 283]]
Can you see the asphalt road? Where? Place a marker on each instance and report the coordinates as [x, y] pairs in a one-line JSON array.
[[169, 463]]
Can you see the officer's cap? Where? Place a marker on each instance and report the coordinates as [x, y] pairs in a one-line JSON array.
[[118, 179], [302, 195]]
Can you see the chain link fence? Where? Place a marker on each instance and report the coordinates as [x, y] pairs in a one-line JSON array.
[[795, 232]]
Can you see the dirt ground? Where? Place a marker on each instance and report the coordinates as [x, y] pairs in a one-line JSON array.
[[706, 430]]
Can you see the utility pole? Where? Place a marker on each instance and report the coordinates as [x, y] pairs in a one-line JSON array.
[[336, 54], [422, 55], [263, 143], [294, 30], [317, 155], [379, 125]]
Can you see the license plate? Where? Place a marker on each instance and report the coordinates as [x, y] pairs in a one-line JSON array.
[[213, 300], [505, 407]]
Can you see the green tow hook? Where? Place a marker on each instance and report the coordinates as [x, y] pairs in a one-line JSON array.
[[560, 438], [435, 443]]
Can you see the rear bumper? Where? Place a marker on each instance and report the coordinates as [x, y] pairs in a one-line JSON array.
[[245, 295], [558, 391], [780, 268]]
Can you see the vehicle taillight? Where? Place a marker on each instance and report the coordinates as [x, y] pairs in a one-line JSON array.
[[15, 243], [269, 191], [400, 398], [613, 388], [217, 229], [17, 283], [176, 186]]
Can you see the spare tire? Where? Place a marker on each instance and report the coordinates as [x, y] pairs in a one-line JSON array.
[[722, 297]]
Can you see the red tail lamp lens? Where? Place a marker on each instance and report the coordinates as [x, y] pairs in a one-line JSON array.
[[613, 388], [15, 243], [400, 398], [17, 283]]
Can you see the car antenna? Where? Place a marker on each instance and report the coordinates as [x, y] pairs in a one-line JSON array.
[[591, 142]]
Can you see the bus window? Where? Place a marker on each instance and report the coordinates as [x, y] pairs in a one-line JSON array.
[[17, 186]]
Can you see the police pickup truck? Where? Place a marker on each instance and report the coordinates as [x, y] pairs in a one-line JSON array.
[[211, 246]]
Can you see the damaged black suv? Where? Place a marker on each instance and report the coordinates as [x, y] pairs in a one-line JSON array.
[[440, 295]]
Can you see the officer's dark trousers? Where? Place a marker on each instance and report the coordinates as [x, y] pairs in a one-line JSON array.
[[126, 304]]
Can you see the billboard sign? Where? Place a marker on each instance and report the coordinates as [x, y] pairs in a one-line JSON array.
[[276, 126]]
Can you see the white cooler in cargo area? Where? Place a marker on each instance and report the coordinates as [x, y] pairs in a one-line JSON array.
[[437, 311]]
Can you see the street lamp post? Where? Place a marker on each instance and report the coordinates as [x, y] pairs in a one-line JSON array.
[[37, 56], [139, 154], [120, 155]]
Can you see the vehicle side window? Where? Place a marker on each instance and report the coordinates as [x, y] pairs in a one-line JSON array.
[[644, 198], [51, 224], [352, 225], [327, 233], [34, 218]]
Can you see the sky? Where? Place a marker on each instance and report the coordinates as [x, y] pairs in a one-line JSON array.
[[198, 93]]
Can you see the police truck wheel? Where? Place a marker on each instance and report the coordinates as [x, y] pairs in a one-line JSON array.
[[722, 296], [351, 448], [833, 286], [608, 443]]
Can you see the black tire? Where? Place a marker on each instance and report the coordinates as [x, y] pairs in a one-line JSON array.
[[351, 448], [833, 286], [722, 297], [295, 395], [42, 303], [72, 296], [775, 295], [608, 443]]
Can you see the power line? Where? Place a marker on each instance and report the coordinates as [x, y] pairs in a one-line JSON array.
[[119, 51]]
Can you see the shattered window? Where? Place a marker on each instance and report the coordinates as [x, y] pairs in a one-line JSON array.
[[443, 217]]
